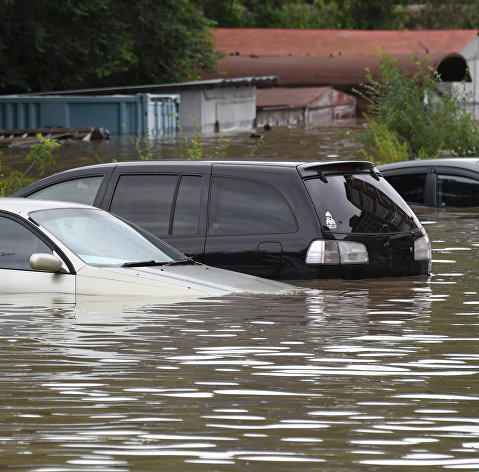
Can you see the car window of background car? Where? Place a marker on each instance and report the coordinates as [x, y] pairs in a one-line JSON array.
[[457, 191], [410, 186], [161, 204], [82, 190], [17, 244], [240, 206], [359, 204]]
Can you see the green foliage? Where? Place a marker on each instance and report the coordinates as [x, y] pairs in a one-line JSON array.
[[418, 111], [40, 156], [194, 145], [328, 14], [437, 14], [345, 14], [257, 145], [51, 45], [386, 146], [143, 146]]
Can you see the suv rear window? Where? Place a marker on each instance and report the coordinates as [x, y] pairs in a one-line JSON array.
[[359, 204]]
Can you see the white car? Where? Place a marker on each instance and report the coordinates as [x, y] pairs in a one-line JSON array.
[[74, 249]]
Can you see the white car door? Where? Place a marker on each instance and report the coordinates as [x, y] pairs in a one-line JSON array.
[[17, 243]]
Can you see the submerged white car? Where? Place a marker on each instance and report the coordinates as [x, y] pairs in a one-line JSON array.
[[75, 249]]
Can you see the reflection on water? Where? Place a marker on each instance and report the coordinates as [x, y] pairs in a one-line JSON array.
[[368, 375]]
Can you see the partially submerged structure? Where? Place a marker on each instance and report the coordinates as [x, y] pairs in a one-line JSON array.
[[339, 58], [158, 109], [308, 106], [119, 114]]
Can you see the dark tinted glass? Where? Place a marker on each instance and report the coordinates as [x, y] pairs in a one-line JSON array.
[[187, 208], [409, 186], [17, 244], [241, 206], [81, 190], [457, 191], [145, 200], [360, 204]]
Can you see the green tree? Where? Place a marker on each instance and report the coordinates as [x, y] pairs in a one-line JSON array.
[[48, 45], [438, 14], [349, 14], [420, 111], [345, 14]]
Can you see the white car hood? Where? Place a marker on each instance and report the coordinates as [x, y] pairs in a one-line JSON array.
[[164, 281]]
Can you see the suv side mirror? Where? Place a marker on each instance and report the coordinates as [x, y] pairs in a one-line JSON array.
[[46, 262]]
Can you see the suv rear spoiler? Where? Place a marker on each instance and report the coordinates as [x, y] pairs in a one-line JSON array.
[[321, 170]]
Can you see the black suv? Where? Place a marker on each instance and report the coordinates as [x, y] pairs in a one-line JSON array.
[[281, 220]]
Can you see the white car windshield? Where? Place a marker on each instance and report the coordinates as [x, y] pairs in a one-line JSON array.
[[101, 239]]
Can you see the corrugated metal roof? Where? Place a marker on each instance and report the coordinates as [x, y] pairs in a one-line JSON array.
[[303, 42], [282, 97]]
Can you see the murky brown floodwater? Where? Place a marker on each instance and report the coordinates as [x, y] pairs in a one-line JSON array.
[[351, 376]]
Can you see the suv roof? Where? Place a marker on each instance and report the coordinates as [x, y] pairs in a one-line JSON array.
[[302, 165]]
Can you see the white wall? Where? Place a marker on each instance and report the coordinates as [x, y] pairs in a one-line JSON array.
[[220, 109], [471, 54]]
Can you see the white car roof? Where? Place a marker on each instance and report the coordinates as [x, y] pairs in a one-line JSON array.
[[23, 206]]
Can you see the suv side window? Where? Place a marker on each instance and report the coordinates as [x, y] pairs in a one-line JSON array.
[[457, 191], [409, 186], [17, 244], [161, 204], [240, 206], [83, 190]]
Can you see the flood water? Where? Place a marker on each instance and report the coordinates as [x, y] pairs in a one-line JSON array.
[[371, 375]]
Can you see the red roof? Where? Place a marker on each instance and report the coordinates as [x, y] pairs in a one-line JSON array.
[[304, 42], [305, 58], [337, 71]]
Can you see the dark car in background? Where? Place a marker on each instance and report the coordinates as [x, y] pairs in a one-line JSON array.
[[280, 220], [446, 182]]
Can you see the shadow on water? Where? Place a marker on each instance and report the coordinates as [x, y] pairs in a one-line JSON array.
[[366, 375]]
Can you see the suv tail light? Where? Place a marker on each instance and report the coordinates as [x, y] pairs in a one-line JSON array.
[[422, 249], [336, 252]]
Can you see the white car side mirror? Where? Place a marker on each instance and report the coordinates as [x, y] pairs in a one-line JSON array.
[[46, 262]]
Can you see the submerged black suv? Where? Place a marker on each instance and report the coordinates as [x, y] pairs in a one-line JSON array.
[[281, 220]]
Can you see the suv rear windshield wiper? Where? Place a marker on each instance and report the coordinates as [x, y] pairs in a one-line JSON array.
[[158, 263]]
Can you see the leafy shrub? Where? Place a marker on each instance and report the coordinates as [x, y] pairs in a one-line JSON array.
[[417, 111], [40, 156]]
